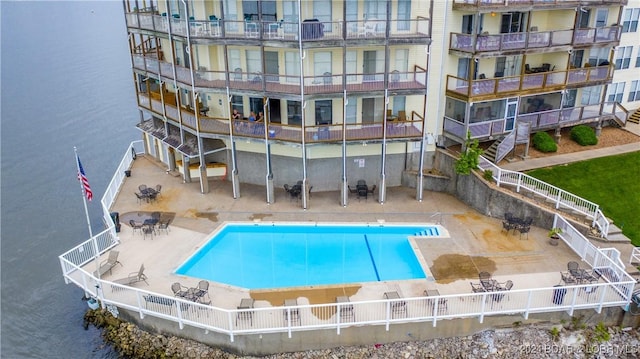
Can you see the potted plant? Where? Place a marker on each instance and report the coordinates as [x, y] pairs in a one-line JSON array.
[[554, 235]]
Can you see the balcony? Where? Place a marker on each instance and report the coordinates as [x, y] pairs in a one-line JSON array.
[[326, 83], [533, 40], [409, 128], [539, 121], [516, 5], [417, 28], [480, 89]]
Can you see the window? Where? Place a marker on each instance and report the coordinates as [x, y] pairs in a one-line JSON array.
[[351, 109], [399, 104], [294, 113], [323, 112], [623, 57], [630, 20], [322, 63], [254, 63], [292, 66], [591, 95], [638, 58], [615, 92], [634, 91], [236, 103], [404, 14], [290, 13], [322, 12], [402, 63]]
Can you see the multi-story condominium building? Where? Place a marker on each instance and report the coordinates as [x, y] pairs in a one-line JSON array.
[[332, 92], [517, 67], [625, 86]]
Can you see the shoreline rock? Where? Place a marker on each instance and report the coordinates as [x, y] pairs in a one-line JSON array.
[[571, 340]]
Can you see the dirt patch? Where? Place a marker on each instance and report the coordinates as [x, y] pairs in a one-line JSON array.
[[320, 295], [448, 268], [212, 216]]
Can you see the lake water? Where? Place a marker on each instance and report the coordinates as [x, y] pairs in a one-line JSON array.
[[66, 82]]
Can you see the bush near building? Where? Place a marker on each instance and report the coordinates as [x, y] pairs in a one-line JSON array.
[[543, 142], [584, 135]]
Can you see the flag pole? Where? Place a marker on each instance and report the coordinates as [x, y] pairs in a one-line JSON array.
[[84, 197]]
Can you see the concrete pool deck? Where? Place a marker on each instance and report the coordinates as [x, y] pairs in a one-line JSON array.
[[476, 244]]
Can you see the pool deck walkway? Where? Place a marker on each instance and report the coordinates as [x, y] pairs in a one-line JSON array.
[[476, 242]]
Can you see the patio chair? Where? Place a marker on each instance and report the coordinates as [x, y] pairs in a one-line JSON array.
[[508, 226], [179, 290], [136, 226], [352, 190], [147, 230], [164, 226], [108, 264], [142, 188], [158, 189], [140, 197], [524, 229], [133, 277], [202, 290], [567, 279]]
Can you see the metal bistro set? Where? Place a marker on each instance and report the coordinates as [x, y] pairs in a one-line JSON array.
[[516, 224], [148, 194]]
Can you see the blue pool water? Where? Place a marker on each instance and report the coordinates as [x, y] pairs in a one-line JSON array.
[[275, 256]]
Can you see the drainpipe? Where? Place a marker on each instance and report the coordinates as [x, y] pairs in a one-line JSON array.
[[204, 182], [305, 184], [344, 189], [267, 151]]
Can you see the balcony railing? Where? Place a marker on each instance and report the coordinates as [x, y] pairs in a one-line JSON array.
[[400, 129], [539, 120], [463, 4], [530, 40], [287, 84], [542, 81], [281, 30]]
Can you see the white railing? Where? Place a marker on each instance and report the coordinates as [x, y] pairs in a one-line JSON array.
[[615, 291], [559, 197], [507, 144], [635, 256]]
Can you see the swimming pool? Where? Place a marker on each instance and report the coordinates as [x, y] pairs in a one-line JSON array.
[[258, 256]]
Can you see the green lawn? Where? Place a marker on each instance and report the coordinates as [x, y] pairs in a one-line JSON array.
[[611, 182]]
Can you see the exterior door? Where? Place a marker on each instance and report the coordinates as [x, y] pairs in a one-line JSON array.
[[271, 66], [369, 66], [372, 110], [510, 114]]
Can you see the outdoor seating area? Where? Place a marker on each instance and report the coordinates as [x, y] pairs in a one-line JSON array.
[[199, 294], [577, 275], [148, 194], [362, 190], [150, 226], [516, 224]]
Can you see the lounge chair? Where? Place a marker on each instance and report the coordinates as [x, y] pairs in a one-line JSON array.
[[133, 277], [107, 264]]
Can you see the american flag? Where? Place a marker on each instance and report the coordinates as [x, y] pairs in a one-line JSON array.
[[82, 177]]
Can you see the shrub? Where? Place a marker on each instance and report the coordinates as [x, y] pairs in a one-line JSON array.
[[488, 175], [543, 142], [470, 158], [584, 135]]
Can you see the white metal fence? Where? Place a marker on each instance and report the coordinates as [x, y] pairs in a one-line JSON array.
[[559, 197], [614, 290]]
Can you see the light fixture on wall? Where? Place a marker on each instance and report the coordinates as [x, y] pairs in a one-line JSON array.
[[493, 14]]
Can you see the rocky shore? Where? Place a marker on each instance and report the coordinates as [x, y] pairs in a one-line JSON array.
[[569, 340]]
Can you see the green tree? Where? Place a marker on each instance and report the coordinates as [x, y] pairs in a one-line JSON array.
[[470, 158]]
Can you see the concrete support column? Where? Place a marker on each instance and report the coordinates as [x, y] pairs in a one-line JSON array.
[[185, 167], [235, 182], [557, 135], [344, 193], [271, 198], [171, 159], [598, 129], [305, 193], [382, 189], [204, 180]]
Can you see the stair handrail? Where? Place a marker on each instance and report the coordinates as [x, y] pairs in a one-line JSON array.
[[506, 145], [555, 194]]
